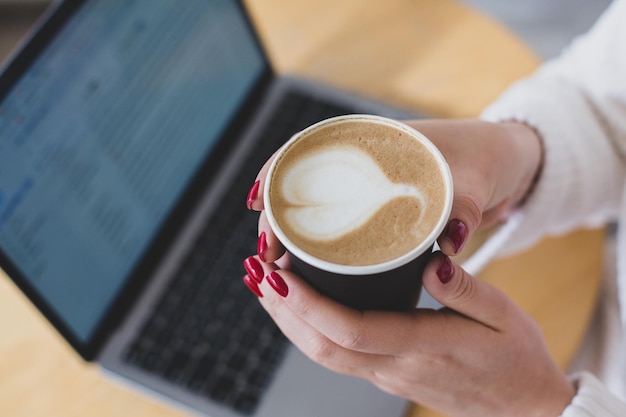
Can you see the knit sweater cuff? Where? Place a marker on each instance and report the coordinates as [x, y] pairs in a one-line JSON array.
[[593, 399]]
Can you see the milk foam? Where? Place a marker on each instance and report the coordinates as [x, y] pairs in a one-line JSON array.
[[335, 191]]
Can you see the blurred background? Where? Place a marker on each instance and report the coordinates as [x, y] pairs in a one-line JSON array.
[[546, 25], [457, 71]]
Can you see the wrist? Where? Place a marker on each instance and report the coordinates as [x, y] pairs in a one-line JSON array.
[[528, 146]]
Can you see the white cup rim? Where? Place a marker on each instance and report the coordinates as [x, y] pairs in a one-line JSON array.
[[322, 264]]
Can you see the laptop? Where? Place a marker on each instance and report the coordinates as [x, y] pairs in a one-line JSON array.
[[130, 134]]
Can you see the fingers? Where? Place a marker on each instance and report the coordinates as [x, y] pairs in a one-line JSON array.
[[286, 297], [449, 284], [269, 247], [255, 195], [369, 332], [373, 344], [272, 290], [465, 218]]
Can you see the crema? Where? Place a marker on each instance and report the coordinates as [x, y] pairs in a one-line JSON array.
[[357, 193]]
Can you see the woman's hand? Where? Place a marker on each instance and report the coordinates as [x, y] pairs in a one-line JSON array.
[[480, 356], [492, 165]]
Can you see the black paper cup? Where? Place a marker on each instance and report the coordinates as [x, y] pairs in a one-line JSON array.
[[391, 285]]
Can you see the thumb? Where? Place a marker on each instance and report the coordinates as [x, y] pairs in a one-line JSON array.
[[465, 218], [456, 289]]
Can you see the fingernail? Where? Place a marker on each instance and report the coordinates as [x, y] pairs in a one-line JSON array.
[[252, 285], [253, 194], [457, 233], [254, 269], [277, 282], [445, 271], [261, 246]]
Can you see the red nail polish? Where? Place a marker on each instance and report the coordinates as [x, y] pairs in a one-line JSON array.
[[445, 271], [254, 269], [277, 282], [252, 285], [253, 194], [261, 246], [457, 233]]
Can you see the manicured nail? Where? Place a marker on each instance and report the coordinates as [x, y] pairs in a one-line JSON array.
[[252, 285], [261, 246], [445, 271], [253, 194], [277, 282], [254, 269], [457, 233]]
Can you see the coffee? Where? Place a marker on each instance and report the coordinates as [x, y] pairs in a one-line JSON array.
[[358, 191]]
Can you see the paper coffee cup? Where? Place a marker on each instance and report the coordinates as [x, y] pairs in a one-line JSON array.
[[358, 201]]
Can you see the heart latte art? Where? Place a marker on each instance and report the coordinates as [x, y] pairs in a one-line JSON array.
[[357, 193], [336, 191]]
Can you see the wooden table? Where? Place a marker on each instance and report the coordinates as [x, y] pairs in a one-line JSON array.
[[434, 56]]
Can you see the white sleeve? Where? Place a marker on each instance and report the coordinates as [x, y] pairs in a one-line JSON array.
[[593, 399], [577, 103]]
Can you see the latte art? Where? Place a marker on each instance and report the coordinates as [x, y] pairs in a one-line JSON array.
[[357, 192], [337, 190]]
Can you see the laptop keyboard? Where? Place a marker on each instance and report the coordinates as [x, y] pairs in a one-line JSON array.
[[208, 332]]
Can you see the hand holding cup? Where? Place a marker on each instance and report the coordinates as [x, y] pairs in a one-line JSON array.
[[358, 201]]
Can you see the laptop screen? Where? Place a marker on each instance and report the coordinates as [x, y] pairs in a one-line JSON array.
[[103, 132]]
